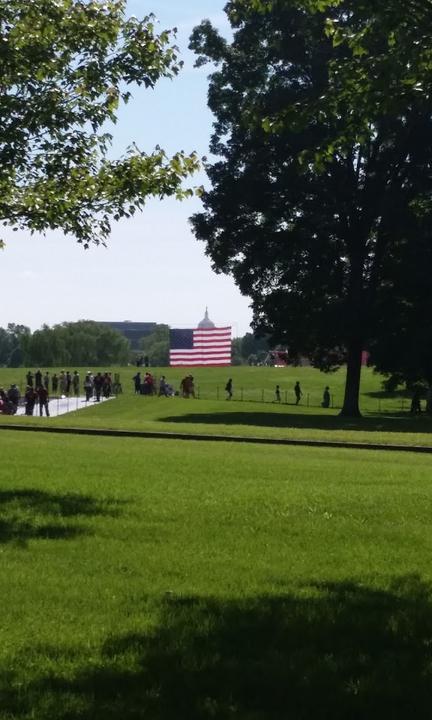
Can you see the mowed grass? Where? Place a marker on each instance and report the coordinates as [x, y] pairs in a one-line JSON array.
[[386, 419], [170, 580], [253, 384]]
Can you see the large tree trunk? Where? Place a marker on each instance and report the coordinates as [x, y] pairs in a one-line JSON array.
[[352, 385]]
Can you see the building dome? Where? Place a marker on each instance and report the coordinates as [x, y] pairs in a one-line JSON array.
[[206, 322]]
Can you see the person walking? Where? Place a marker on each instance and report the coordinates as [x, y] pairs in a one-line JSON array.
[[98, 384], [106, 385], [416, 400], [298, 392], [162, 386], [54, 383], [229, 389], [277, 394], [326, 397]]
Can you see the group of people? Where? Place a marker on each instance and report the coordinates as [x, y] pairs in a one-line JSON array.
[[37, 392], [147, 385], [64, 383], [97, 386], [9, 400], [34, 396], [298, 392]]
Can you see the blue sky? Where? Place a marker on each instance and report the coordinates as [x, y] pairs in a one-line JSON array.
[[153, 268]]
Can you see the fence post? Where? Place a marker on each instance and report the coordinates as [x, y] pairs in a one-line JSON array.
[[307, 401], [241, 393], [262, 395], [198, 393], [286, 397]]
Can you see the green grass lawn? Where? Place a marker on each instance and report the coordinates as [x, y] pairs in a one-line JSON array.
[[255, 384], [176, 580], [383, 421]]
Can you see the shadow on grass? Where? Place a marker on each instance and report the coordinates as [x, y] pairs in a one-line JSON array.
[[385, 395], [374, 422], [345, 651], [35, 514]]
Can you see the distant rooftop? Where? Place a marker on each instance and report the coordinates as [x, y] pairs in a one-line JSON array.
[[132, 330]]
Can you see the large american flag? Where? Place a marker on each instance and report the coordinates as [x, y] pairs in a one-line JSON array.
[[203, 346]]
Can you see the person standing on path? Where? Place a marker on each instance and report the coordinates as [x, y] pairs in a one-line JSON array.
[[68, 381], [298, 392], [76, 383], [88, 387], [43, 400], [277, 394], [30, 399]]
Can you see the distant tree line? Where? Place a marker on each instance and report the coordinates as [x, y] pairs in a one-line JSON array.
[[90, 343], [70, 343]]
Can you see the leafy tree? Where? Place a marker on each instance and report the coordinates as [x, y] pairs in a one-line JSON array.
[[251, 345], [66, 65], [156, 346], [236, 353], [323, 181], [5, 347], [83, 343], [12, 340]]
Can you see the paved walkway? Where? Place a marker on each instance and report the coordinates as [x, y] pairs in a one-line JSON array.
[[63, 405]]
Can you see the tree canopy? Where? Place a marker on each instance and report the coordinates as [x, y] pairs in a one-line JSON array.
[[156, 346], [320, 197], [65, 67], [82, 343]]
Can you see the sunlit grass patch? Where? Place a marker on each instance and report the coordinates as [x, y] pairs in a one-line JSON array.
[[200, 580]]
